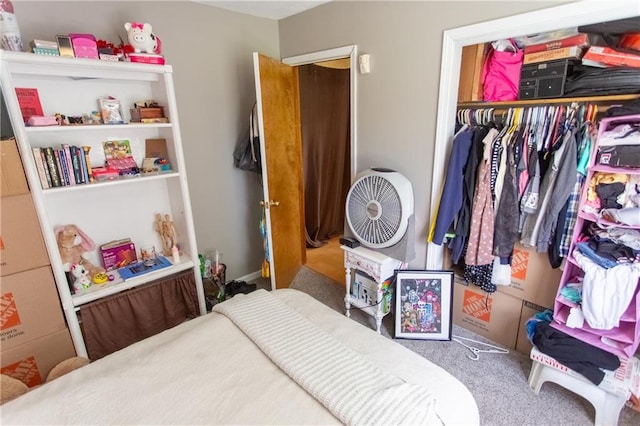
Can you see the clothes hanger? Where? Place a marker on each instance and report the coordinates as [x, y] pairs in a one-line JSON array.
[[475, 352]]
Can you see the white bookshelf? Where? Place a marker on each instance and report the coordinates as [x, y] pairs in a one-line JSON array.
[[110, 210]]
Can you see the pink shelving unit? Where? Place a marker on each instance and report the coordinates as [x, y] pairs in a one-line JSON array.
[[623, 340]]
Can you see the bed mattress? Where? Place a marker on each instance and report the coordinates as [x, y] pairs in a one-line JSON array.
[[207, 371]]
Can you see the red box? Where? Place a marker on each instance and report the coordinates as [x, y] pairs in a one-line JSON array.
[[146, 58], [117, 254], [605, 56]]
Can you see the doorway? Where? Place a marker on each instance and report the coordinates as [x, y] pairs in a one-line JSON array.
[[327, 259]]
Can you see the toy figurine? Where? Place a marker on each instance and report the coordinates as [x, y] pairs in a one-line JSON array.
[[167, 231]]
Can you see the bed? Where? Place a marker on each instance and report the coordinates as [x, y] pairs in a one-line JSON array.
[[272, 358]]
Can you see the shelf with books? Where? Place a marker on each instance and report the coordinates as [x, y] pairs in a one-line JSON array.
[[97, 127], [104, 210], [138, 179]]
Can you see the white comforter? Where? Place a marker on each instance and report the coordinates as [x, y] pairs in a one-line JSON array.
[[206, 371]]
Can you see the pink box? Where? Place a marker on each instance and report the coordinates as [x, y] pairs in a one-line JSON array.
[[84, 46], [118, 254]]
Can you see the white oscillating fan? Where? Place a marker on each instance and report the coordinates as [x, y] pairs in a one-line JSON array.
[[379, 212]]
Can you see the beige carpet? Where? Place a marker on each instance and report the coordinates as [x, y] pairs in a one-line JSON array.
[[497, 381]]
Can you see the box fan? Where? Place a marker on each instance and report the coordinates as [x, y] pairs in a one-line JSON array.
[[379, 213]]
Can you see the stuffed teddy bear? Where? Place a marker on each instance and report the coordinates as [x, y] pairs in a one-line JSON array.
[[81, 280], [12, 388], [141, 38], [74, 246]]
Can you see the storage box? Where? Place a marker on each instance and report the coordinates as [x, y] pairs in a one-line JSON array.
[[146, 112], [21, 243], [470, 87], [495, 316], [617, 382], [12, 178], [32, 361], [602, 56], [528, 310], [545, 79], [118, 254], [29, 307], [532, 277]]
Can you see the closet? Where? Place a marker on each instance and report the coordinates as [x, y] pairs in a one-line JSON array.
[[469, 109]]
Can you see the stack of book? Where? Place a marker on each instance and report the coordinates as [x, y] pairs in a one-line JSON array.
[[65, 166], [572, 47], [45, 47]]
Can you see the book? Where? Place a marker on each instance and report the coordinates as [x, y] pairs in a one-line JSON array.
[[75, 162], [570, 52], [116, 149], [582, 39], [37, 158], [602, 56], [83, 165], [63, 166], [63, 179], [53, 167], [137, 269], [46, 168], [29, 102], [67, 152], [118, 254]]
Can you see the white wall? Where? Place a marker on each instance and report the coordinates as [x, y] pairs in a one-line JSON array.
[[210, 50], [397, 101]]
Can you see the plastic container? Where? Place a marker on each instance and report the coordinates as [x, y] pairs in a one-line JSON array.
[[10, 32]]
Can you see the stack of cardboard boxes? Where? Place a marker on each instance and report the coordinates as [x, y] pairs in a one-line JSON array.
[[501, 316], [33, 333]]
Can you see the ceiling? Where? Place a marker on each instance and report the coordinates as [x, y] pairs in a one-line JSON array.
[[266, 8]]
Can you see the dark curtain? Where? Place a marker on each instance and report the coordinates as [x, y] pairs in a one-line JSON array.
[[324, 111], [111, 323]]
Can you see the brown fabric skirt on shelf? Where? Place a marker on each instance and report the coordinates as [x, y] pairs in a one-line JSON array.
[[116, 321]]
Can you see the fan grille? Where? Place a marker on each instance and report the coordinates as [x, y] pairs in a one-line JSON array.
[[374, 210]]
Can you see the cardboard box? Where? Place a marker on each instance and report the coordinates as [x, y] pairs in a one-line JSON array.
[[32, 361], [495, 316], [528, 310], [532, 277], [29, 307], [617, 382], [21, 243], [12, 178]]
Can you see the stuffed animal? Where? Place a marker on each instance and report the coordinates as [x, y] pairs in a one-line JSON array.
[[12, 388], [80, 276], [141, 38], [74, 246]]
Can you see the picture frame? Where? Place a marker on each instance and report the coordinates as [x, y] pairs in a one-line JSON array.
[[423, 304]]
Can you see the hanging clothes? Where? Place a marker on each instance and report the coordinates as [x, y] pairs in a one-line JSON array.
[[463, 223], [479, 257], [451, 198]]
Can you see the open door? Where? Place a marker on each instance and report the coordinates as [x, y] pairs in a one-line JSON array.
[[278, 104]]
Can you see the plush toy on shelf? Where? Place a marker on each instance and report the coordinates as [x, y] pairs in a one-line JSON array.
[[81, 280], [74, 246], [141, 38]]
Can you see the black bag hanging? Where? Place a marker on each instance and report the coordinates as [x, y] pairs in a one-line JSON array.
[[246, 156]]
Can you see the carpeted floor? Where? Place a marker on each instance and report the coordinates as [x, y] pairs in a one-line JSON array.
[[497, 381]]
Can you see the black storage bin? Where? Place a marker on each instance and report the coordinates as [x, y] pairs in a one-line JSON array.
[[544, 79]]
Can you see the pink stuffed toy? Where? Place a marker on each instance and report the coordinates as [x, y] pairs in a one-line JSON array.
[[141, 38]]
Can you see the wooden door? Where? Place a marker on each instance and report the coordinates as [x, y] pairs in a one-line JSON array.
[[281, 144]]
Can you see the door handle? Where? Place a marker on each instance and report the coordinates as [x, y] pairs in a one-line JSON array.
[[268, 204]]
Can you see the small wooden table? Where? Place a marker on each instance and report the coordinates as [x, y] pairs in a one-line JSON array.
[[377, 266]]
